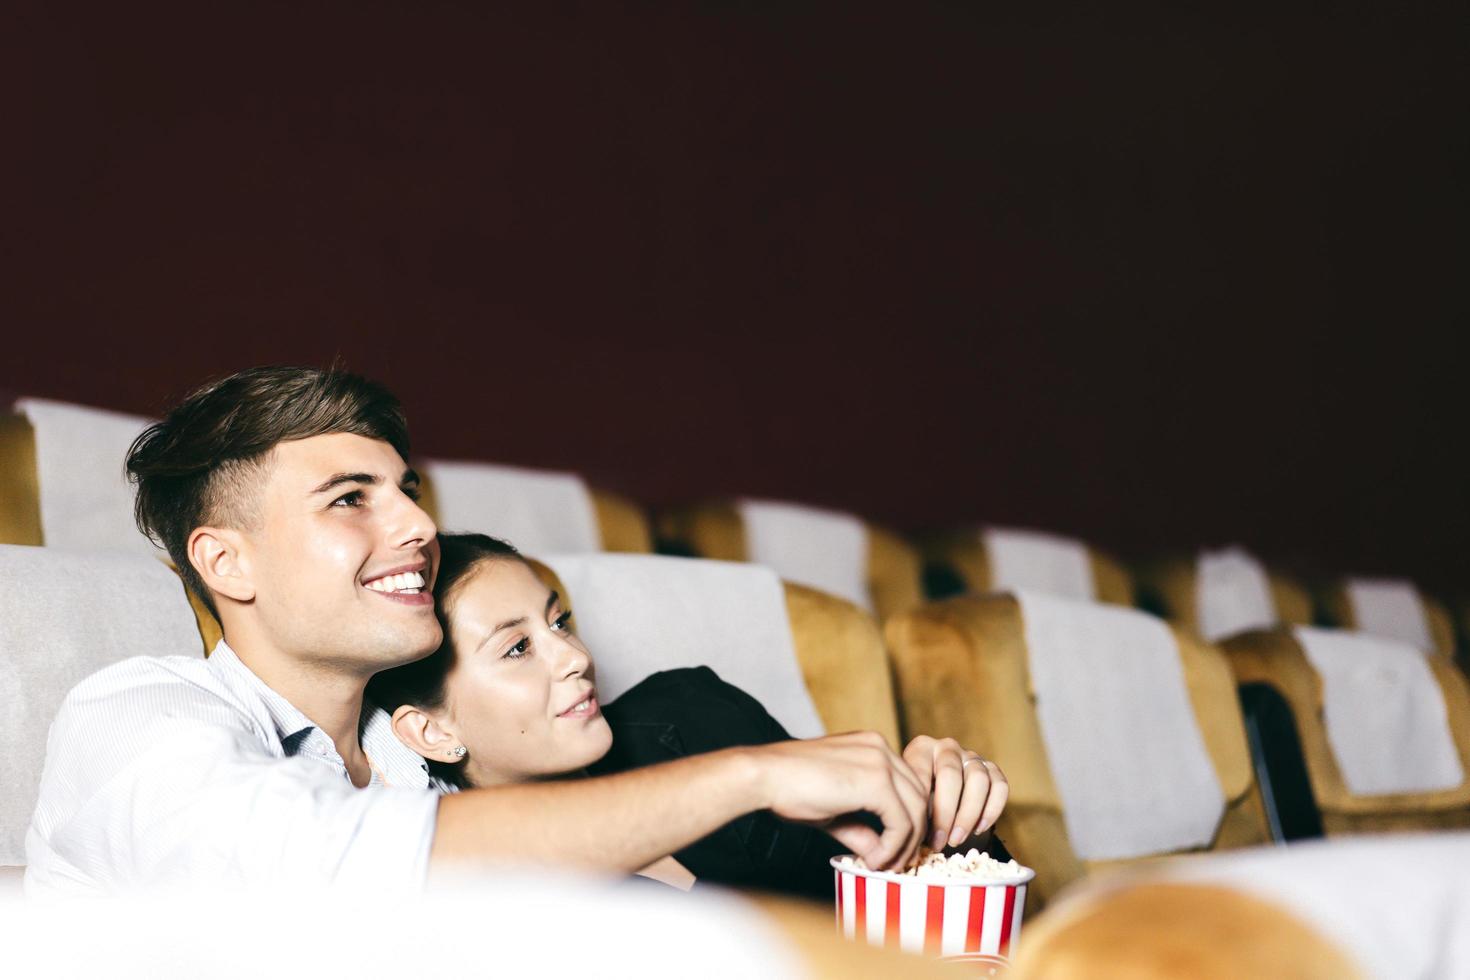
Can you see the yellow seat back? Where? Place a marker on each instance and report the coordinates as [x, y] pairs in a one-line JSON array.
[[1339, 610], [715, 530], [961, 668], [961, 554], [622, 524], [1275, 658], [840, 652], [1173, 584]]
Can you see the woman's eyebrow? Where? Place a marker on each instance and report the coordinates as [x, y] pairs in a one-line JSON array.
[[520, 620]]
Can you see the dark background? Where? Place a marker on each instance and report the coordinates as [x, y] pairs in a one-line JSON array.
[[1152, 277]]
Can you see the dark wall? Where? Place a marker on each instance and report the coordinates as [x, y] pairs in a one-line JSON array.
[[1156, 278]]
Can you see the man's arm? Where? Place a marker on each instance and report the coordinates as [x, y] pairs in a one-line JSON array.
[[622, 822]]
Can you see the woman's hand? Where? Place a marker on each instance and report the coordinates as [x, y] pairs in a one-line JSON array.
[[966, 793]]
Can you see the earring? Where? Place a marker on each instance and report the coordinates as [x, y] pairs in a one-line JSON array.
[[458, 751]]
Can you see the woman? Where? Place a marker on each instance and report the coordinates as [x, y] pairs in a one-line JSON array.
[[509, 697]]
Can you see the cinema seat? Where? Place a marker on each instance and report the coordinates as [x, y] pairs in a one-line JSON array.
[[1167, 930], [1174, 587], [1412, 616], [1277, 660], [963, 667], [1462, 647], [1387, 906], [815, 661], [961, 561], [536, 510], [61, 477], [884, 577], [85, 503], [63, 616]]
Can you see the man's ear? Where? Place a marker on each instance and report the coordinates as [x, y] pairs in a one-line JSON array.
[[425, 735], [219, 555]]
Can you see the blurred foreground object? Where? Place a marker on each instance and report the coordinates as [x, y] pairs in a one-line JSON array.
[[1393, 906], [518, 924]]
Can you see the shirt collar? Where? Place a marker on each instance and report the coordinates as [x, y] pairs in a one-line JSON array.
[[289, 722], [399, 765]]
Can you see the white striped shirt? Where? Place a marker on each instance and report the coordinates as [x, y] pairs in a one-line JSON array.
[[175, 769]]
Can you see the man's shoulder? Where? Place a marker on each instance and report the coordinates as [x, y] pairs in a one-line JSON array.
[[141, 673], [150, 686]]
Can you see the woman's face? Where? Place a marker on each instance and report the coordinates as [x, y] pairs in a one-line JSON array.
[[520, 696]]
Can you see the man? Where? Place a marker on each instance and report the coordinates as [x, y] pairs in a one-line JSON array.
[[283, 496]]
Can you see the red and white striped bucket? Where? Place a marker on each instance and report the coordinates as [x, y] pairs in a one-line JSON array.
[[932, 916]]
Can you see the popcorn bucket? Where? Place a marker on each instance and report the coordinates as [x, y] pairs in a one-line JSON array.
[[955, 919]]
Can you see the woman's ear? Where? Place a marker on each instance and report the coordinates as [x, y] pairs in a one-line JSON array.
[[425, 735], [221, 558]]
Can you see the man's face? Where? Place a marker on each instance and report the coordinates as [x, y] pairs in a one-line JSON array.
[[343, 558]]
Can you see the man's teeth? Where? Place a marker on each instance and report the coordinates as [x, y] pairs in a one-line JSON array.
[[579, 706], [412, 582]]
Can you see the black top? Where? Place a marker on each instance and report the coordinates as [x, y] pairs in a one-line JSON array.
[[676, 713]]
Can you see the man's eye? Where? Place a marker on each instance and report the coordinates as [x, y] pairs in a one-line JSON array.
[[353, 499], [412, 492], [563, 623], [520, 649]]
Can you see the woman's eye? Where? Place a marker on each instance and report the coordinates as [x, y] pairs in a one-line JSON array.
[[520, 649], [563, 623], [353, 499]]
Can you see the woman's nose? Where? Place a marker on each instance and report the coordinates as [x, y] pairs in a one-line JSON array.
[[576, 659]]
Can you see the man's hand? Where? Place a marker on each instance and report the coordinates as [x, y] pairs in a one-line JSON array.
[[966, 793], [827, 782]]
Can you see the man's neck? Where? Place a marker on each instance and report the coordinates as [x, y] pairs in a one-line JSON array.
[[330, 698]]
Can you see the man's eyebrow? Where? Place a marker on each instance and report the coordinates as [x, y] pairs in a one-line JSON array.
[[337, 479]]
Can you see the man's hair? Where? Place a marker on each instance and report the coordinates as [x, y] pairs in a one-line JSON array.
[[202, 464], [420, 684]]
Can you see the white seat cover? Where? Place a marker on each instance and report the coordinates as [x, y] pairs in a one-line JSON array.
[[1032, 561], [1122, 740], [628, 930], [86, 501], [1391, 608], [825, 549], [1384, 713], [538, 511], [639, 614], [64, 616], [1399, 903], [1232, 594]]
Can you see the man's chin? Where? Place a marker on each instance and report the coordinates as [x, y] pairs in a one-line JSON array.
[[405, 649]]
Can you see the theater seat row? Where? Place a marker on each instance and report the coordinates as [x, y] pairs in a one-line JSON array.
[[61, 483], [971, 666], [817, 662]]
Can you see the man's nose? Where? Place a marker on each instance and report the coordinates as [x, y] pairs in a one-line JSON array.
[[412, 525]]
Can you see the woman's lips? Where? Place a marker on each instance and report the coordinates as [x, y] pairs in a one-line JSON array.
[[586, 708]]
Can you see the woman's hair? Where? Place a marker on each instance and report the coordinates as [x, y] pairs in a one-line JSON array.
[[421, 683], [203, 463]]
